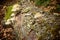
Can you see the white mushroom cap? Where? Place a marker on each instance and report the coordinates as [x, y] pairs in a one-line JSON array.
[[12, 19], [38, 15], [27, 14], [8, 22], [16, 7], [13, 14]]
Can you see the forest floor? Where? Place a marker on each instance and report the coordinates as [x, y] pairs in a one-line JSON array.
[[33, 14]]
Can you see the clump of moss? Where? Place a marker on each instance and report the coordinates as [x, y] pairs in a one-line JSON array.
[[42, 2], [57, 8]]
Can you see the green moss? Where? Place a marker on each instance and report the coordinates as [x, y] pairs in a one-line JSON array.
[[42, 2], [58, 8]]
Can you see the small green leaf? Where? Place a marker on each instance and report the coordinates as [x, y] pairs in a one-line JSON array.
[[8, 12]]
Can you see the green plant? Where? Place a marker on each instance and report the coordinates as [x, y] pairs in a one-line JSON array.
[[8, 12], [42, 2], [58, 8]]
